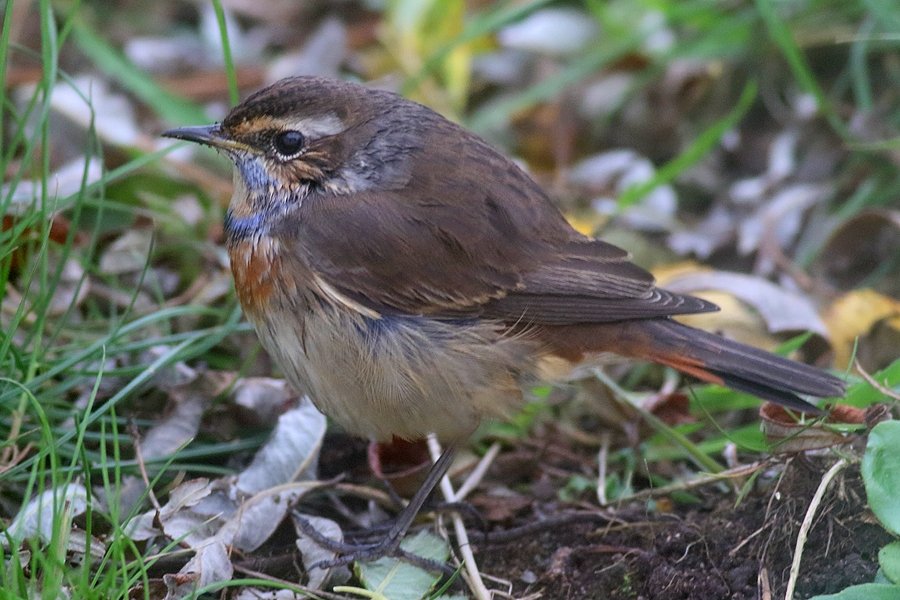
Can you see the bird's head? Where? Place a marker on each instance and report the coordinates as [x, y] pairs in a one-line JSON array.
[[306, 135]]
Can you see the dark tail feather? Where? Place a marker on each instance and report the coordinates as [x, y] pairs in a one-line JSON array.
[[716, 359]]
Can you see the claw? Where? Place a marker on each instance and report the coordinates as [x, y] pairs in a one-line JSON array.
[[389, 544]]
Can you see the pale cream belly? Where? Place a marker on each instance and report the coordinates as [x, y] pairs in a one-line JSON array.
[[403, 376]]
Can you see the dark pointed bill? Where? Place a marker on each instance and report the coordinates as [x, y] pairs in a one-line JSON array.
[[209, 135], [201, 134]]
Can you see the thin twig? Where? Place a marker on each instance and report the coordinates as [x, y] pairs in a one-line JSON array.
[[478, 472], [871, 381], [142, 466], [366, 492], [288, 585], [764, 586], [747, 540], [807, 524], [699, 481], [473, 576], [602, 460]]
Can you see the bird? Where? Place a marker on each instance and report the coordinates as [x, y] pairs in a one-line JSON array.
[[410, 278]]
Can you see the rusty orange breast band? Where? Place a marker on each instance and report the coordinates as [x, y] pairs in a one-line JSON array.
[[256, 266]]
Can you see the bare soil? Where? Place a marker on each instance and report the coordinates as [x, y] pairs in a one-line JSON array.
[[712, 547], [710, 550]]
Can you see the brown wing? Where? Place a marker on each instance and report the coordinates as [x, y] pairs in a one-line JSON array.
[[579, 285], [452, 242], [443, 262]]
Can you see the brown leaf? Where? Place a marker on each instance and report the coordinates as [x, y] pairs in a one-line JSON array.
[[501, 507], [788, 435]]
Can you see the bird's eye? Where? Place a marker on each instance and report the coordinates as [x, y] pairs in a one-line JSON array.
[[288, 143]]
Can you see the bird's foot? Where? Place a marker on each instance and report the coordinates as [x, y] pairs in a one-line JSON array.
[[387, 546]]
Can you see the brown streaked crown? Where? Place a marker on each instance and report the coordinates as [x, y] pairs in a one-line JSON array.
[[296, 96]]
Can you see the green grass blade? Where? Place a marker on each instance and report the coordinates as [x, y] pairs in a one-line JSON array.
[[781, 35], [233, 93], [699, 148]]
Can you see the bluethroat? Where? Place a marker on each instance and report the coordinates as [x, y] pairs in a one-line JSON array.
[[410, 278]]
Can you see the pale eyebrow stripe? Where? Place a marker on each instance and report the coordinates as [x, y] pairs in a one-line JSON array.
[[325, 125]]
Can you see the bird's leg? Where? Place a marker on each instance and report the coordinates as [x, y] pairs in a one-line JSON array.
[[389, 545]]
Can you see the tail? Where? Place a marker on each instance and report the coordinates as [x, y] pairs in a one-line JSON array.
[[706, 356]]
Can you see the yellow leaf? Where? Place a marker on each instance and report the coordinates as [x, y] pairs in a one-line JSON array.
[[736, 320], [853, 315], [586, 223], [665, 273]]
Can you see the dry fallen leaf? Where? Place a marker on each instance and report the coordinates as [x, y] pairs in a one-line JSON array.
[[211, 563], [129, 253], [550, 31], [261, 399], [312, 552], [241, 511], [37, 518], [291, 454], [752, 308], [62, 183], [777, 221], [607, 175], [855, 315], [788, 435], [781, 309]]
